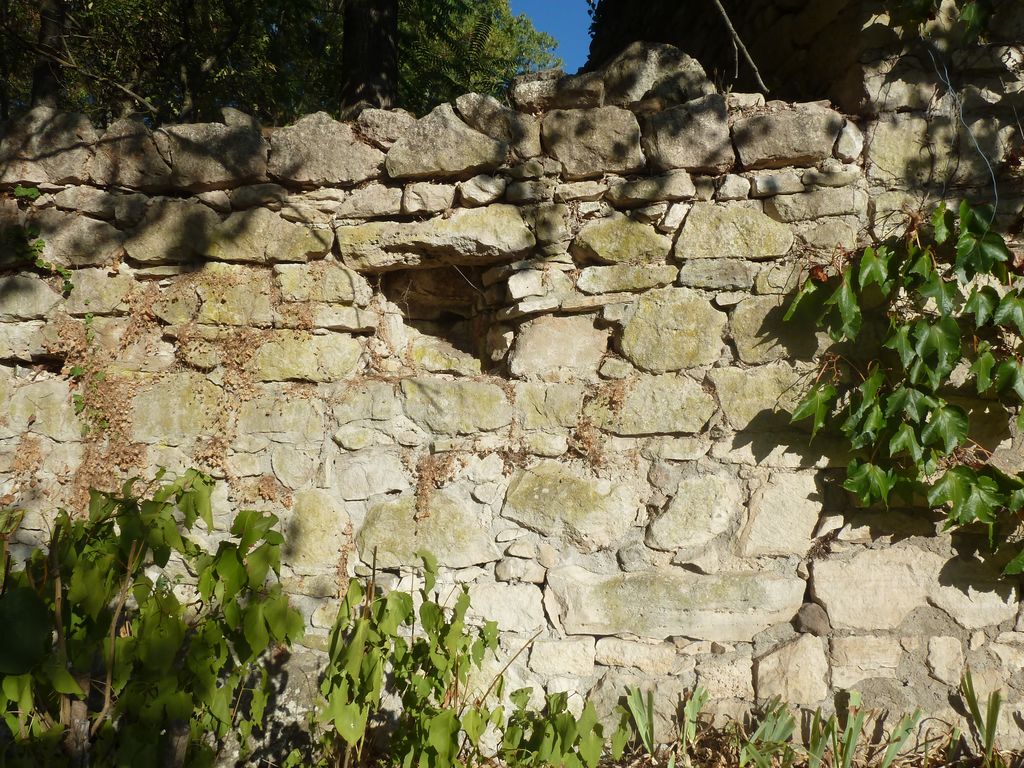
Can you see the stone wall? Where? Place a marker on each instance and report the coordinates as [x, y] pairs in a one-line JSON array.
[[544, 343]]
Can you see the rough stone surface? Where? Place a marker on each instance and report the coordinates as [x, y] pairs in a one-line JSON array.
[[694, 136], [440, 145], [487, 115], [455, 407], [440, 524], [481, 190], [644, 69], [554, 500], [318, 530], [674, 185], [801, 136], [318, 150], [540, 351], [573, 656], [625, 277], [425, 197], [756, 396], [672, 329], [619, 239], [783, 515], [384, 126], [591, 142], [859, 658], [205, 156], [655, 405], [796, 672], [702, 509], [262, 236], [714, 231], [44, 145], [298, 356], [945, 659], [671, 602]]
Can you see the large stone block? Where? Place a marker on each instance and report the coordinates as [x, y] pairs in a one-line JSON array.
[[76, 241], [783, 515], [275, 414], [572, 656], [757, 398], [47, 146], [864, 657], [228, 294], [796, 672], [702, 509], [205, 156], [456, 407], [618, 239], [716, 231], [625, 277], [558, 348], [674, 185], [470, 236], [318, 530], [653, 69], [669, 602], [672, 329], [488, 115], [513, 607], [127, 156], [175, 408], [172, 231], [368, 473], [554, 500], [261, 236], [319, 151], [655, 405], [300, 356], [592, 142], [830, 201], [694, 136], [322, 281], [25, 296], [762, 336], [549, 406], [441, 524], [41, 407], [440, 145], [803, 135]]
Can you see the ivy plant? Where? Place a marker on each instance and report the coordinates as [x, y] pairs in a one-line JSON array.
[[109, 658], [926, 333]]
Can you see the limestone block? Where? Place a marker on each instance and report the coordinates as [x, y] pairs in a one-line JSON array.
[[556, 348], [174, 408], [831, 201], [718, 274], [830, 233], [523, 192], [716, 231], [572, 656], [95, 202], [384, 126], [673, 329], [487, 115], [319, 151], [231, 294], [644, 67], [850, 144], [802, 136], [47, 146], [322, 281], [26, 296], [261, 236], [619, 239], [253, 195], [481, 190], [370, 202], [625, 277], [548, 406], [127, 156], [318, 530], [665, 602], [555, 500], [534, 91], [513, 607], [674, 185], [694, 136], [441, 524], [797, 672], [761, 335], [606, 696], [517, 569], [76, 241], [276, 415], [469, 236], [455, 407], [41, 407], [783, 515], [438, 356], [654, 659], [592, 142], [440, 145], [300, 356], [426, 197], [766, 184], [863, 657], [945, 659], [205, 156], [98, 292], [702, 509], [726, 676], [654, 405], [733, 187], [750, 397], [580, 190], [172, 231], [368, 473], [22, 341]]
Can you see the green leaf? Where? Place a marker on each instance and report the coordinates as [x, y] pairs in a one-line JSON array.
[[442, 735], [845, 301], [61, 679], [947, 424], [26, 639], [943, 292], [1011, 312], [912, 403], [802, 299], [1010, 377], [869, 482], [899, 340], [873, 269], [348, 718], [905, 441], [942, 223], [1016, 566], [982, 371], [816, 404]]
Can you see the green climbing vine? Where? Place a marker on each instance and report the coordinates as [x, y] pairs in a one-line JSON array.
[[927, 333]]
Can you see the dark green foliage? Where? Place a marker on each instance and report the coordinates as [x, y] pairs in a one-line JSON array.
[[951, 305]]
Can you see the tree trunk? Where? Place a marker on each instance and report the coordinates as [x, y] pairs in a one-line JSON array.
[[46, 75], [369, 55]]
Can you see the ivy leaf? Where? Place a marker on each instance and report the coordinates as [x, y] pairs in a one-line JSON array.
[[942, 291], [1011, 311], [869, 482], [905, 440], [845, 301], [942, 223], [801, 300], [874, 269], [982, 370], [899, 340], [911, 402], [947, 424], [940, 340], [982, 304], [953, 487], [1010, 376], [816, 404]]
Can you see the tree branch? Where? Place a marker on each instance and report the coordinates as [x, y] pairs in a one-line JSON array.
[[739, 44]]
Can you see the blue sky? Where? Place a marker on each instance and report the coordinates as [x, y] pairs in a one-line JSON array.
[[566, 21]]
